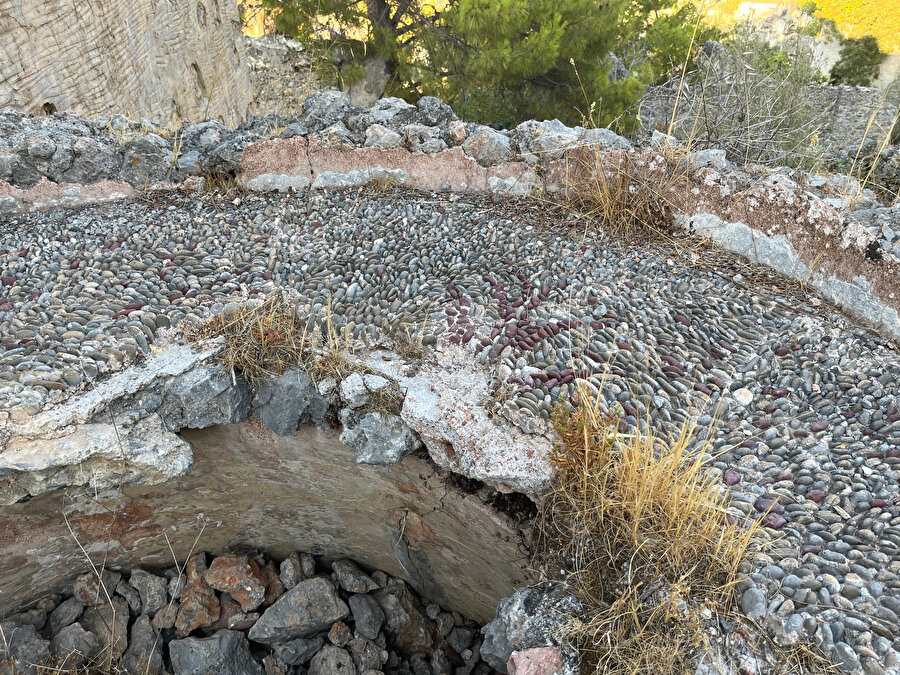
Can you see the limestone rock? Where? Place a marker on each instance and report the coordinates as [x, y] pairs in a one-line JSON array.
[[332, 660], [357, 387], [203, 397], [225, 653], [22, 649], [379, 136], [109, 622], [73, 645], [65, 613], [351, 578], [368, 616], [146, 160], [90, 591], [405, 622], [487, 146], [422, 138], [298, 652], [152, 590], [433, 111], [324, 108], [380, 438], [148, 454], [285, 403], [144, 653], [308, 608], [526, 619]]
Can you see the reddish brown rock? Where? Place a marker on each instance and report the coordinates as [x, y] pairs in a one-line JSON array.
[[199, 607], [240, 577], [536, 661], [731, 477], [274, 588], [340, 634]]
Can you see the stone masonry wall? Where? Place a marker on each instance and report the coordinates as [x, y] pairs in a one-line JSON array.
[[162, 60]]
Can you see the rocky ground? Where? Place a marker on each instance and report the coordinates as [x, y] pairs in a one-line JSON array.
[[245, 614], [803, 406]]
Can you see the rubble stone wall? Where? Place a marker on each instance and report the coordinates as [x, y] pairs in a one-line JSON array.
[[162, 60]]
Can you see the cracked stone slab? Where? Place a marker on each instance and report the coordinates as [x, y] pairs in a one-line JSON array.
[[100, 455]]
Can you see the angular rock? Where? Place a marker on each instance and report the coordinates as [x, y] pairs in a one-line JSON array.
[[199, 607], [298, 652], [528, 618], [535, 661], [421, 138], [152, 589], [368, 617], [89, 590], [308, 608], [324, 108], [274, 587], [144, 653], [351, 578], [285, 403], [487, 146], [405, 622], [239, 576], [357, 387], [22, 649], [290, 571], [65, 613], [225, 653], [380, 438], [433, 111], [379, 136], [131, 596], [109, 622], [146, 160], [203, 397], [146, 453], [392, 111], [332, 660], [73, 645], [368, 656]]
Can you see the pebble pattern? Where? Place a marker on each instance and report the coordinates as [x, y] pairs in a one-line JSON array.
[[803, 407]]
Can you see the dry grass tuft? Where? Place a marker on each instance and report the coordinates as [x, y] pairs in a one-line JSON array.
[[387, 400], [265, 339], [641, 529], [226, 183], [626, 194]]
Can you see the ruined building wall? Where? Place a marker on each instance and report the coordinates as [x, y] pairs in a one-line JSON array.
[[166, 61]]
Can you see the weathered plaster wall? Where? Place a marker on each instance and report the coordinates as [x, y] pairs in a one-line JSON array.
[[251, 489], [164, 60]]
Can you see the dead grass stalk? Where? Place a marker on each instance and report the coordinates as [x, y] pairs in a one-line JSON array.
[[641, 527]]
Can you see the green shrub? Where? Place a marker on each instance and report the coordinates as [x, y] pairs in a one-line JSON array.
[[859, 62]]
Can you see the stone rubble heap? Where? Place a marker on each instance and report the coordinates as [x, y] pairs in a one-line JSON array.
[[245, 615]]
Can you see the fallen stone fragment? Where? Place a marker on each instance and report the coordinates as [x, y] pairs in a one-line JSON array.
[[152, 590], [298, 652], [405, 622], [199, 607], [332, 660], [381, 439], [368, 616], [89, 590], [109, 622], [225, 653], [73, 645], [535, 661], [286, 402], [22, 650], [239, 576], [144, 653], [308, 608], [351, 578]]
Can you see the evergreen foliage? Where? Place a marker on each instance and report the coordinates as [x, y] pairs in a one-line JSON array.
[[859, 62], [503, 61]]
